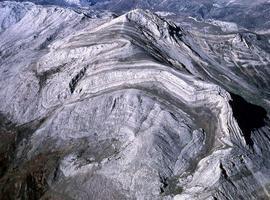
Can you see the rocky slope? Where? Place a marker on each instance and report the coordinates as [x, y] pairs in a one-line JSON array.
[[132, 107], [246, 13]]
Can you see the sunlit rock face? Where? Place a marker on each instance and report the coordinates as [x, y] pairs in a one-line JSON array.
[[130, 107]]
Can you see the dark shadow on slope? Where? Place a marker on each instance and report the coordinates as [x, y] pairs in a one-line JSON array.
[[248, 116]]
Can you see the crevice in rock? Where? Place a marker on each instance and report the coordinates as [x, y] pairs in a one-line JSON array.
[[48, 40], [223, 171], [169, 186], [175, 31], [113, 105], [248, 116], [76, 79], [164, 185], [44, 76]]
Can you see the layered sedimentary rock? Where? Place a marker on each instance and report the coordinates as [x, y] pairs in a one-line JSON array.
[[130, 107]]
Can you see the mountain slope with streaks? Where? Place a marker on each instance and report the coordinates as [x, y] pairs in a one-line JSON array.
[[130, 107]]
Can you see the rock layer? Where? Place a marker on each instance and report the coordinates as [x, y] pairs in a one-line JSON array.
[[132, 107]]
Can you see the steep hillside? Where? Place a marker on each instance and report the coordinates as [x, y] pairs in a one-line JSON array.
[[130, 107]]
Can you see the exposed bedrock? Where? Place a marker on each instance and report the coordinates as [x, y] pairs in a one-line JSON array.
[[129, 108]]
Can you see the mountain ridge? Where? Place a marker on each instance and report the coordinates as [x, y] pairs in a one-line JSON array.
[[243, 13], [132, 107]]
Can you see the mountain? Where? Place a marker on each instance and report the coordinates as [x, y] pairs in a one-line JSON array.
[[99, 106], [248, 14]]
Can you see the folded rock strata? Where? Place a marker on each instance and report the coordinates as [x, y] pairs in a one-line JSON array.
[[132, 107]]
